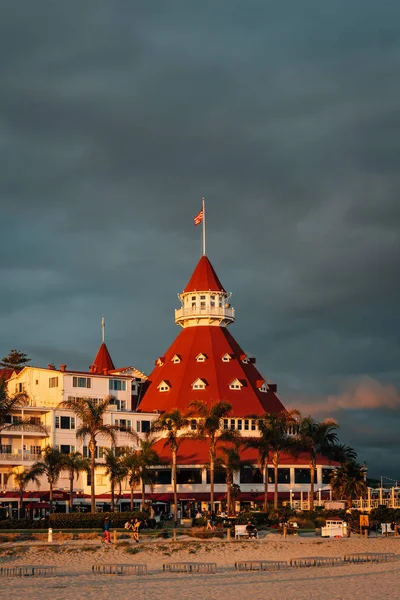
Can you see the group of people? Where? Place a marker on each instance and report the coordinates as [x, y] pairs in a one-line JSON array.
[[131, 525]]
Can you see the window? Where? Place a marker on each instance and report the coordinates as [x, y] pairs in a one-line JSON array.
[[263, 387], [193, 297], [226, 424], [176, 359], [81, 382], [37, 381], [163, 386], [246, 424], [53, 382], [143, 426], [283, 476], [202, 297], [19, 388], [65, 422], [233, 423], [253, 424], [250, 475], [193, 424], [123, 404], [65, 449], [235, 385], [219, 476], [161, 476], [201, 357], [226, 358], [117, 385], [303, 476], [123, 424], [199, 384], [35, 450], [193, 304], [6, 449], [100, 480], [326, 475], [212, 297], [239, 424], [188, 476]]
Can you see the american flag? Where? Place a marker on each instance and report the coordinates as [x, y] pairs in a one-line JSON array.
[[198, 218]]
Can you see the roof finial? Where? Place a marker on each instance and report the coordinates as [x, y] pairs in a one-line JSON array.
[[103, 328], [204, 226]]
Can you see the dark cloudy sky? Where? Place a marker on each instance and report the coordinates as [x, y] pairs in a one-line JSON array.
[[116, 117]]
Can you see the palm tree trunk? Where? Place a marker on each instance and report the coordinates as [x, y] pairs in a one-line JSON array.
[[131, 507], [276, 463], [228, 492], [312, 475], [21, 502], [143, 491], [92, 450], [265, 477], [174, 483], [51, 496], [71, 491], [212, 481], [112, 495]]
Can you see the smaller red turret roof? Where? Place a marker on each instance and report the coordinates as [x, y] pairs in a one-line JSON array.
[[103, 360], [204, 278]]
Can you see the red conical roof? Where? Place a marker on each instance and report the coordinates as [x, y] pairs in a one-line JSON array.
[[204, 278], [103, 359], [213, 343]]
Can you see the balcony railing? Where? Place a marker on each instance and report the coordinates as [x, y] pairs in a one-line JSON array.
[[206, 311], [18, 458], [28, 428]]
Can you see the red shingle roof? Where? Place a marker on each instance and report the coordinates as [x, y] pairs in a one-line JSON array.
[[214, 342], [204, 278], [103, 359]]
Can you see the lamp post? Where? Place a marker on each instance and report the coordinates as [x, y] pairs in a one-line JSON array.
[[319, 497]]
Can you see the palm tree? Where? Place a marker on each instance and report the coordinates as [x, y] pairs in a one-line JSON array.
[[279, 426], [74, 463], [314, 438], [91, 417], [147, 459], [172, 423], [21, 480], [132, 463], [8, 404], [116, 471], [348, 481], [231, 462], [209, 429], [51, 465], [342, 453]]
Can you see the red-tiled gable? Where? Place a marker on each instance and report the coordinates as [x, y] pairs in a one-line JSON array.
[[196, 452], [204, 278], [103, 360], [214, 342]]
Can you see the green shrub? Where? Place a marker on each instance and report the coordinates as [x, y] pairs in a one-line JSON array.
[[96, 521], [23, 524]]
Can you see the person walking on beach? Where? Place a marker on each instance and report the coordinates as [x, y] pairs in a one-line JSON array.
[[135, 529], [106, 529]]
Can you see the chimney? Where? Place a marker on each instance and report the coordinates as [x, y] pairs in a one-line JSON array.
[[51, 367], [91, 369], [63, 367]]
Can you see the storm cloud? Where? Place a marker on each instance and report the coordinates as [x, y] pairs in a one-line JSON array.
[[116, 118]]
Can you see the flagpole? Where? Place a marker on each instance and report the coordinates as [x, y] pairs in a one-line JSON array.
[[103, 326], [204, 227]]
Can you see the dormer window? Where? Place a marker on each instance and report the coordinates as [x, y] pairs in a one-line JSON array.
[[262, 385], [244, 358], [235, 385], [226, 357], [164, 386], [160, 361], [199, 384], [176, 359], [201, 357]]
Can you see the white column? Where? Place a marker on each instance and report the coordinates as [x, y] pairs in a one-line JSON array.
[[319, 496], [301, 500], [392, 497], [369, 499]]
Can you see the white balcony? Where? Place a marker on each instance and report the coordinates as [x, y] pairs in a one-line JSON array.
[[30, 428], [218, 312], [18, 458]]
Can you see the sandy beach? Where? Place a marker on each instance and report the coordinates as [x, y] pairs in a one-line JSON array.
[[74, 578]]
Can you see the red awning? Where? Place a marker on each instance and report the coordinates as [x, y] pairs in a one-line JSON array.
[[37, 505]]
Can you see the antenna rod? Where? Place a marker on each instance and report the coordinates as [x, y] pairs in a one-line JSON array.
[[204, 226], [103, 327]]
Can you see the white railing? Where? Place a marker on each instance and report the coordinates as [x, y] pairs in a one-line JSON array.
[[18, 458], [212, 311], [28, 428]]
